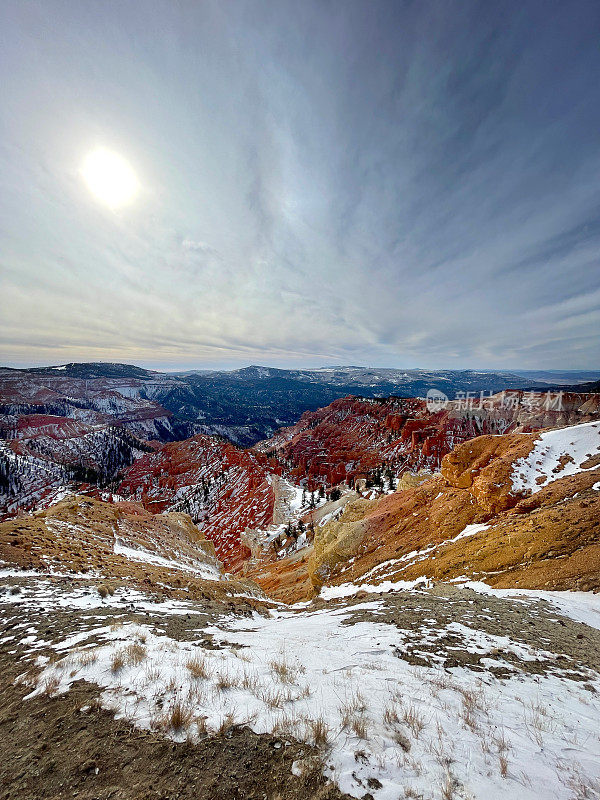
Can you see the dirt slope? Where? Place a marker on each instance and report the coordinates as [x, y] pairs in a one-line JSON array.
[[119, 544]]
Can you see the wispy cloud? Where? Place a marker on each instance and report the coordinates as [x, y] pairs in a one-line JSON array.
[[388, 183]]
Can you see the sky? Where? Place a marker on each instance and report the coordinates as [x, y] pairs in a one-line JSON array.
[[401, 184]]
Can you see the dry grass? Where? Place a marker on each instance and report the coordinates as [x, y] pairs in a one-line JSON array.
[[180, 716], [414, 720], [352, 713], [117, 661], [225, 680], [360, 727], [177, 717], [319, 731], [242, 655], [503, 762], [286, 724], [438, 751], [152, 674], [226, 724], [250, 682], [470, 705], [134, 653], [352, 707], [537, 722], [50, 685], [284, 671], [503, 749], [447, 788], [275, 698], [582, 786], [198, 668], [304, 692], [86, 658], [391, 715]]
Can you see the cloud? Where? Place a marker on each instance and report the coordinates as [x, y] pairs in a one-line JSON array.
[[202, 247], [397, 184]]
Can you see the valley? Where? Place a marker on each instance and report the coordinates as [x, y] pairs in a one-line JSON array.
[[378, 601]]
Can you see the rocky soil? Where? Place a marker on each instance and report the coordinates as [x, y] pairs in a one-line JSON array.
[[68, 742], [67, 745]]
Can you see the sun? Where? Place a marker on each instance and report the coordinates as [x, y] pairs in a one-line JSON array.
[[110, 178]]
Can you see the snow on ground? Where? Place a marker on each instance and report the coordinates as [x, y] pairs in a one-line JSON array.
[[295, 494], [349, 589], [391, 566], [44, 594], [205, 571], [390, 728], [580, 606], [556, 454]]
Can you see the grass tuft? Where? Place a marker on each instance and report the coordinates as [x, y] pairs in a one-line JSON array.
[[117, 661], [134, 653], [198, 668], [319, 731]]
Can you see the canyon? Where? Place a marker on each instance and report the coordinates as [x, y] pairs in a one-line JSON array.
[[381, 599]]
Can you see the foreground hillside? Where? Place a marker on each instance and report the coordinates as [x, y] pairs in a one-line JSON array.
[[424, 693], [436, 652], [118, 547]]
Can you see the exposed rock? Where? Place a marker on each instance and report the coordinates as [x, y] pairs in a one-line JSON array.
[[339, 541], [550, 539], [225, 490], [355, 436]]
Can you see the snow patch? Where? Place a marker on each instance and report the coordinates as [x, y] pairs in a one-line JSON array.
[[556, 454]]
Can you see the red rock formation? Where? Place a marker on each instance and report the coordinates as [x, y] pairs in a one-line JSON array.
[[354, 436], [223, 488]]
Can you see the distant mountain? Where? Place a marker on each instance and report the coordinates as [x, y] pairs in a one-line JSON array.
[[244, 405], [581, 388], [569, 378], [250, 404], [95, 369], [586, 387]]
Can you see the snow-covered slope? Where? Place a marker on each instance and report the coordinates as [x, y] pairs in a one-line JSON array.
[[413, 704], [558, 454]]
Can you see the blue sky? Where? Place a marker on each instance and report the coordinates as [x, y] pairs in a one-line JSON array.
[[394, 184]]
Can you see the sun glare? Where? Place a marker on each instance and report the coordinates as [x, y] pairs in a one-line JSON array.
[[110, 178]]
